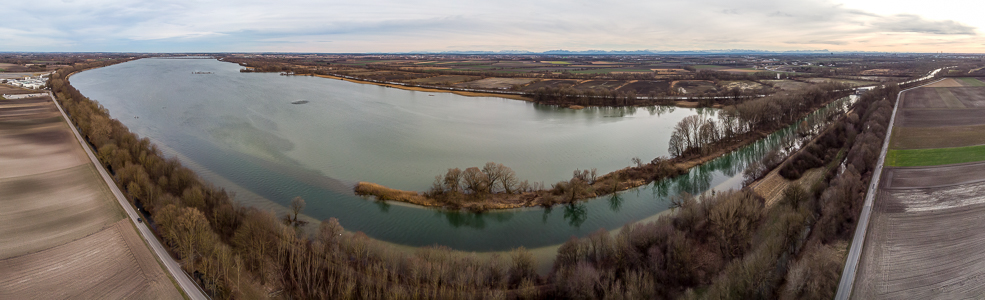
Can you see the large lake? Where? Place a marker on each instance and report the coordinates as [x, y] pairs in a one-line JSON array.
[[241, 131]]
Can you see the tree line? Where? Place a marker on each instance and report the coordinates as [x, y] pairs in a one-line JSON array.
[[730, 245], [726, 246], [242, 252], [699, 135]]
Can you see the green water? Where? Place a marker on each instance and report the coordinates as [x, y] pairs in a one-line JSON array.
[[241, 131]]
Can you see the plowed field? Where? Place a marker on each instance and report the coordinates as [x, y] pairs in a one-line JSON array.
[[63, 235]]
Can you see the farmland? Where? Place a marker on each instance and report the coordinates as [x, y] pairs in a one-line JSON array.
[[935, 156], [62, 233], [557, 79], [924, 238]]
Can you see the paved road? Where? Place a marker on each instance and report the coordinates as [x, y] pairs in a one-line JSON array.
[[186, 283], [851, 264]]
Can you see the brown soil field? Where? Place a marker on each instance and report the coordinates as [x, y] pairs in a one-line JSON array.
[[553, 83], [442, 79], [937, 137], [924, 242], [924, 238], [937, 176], [949, 99], [969, 96], [113, 263], [62, 232], [13, 90], [949, 82], [941, 117], [923, 98], [49, 209], [495, 83], [644, 87]]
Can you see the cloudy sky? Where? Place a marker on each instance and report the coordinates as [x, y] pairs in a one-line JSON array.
[[535, 25]]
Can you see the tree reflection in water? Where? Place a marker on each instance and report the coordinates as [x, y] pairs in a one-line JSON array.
[[473, 220], [576, 214]]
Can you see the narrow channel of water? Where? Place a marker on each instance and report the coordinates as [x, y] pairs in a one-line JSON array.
[[241, 131]]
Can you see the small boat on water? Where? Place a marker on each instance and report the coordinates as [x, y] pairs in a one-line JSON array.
[[300, 102]]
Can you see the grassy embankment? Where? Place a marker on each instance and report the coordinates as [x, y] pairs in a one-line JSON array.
[[933, 157]]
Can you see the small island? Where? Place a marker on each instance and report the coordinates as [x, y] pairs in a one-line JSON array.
[[300, 102]]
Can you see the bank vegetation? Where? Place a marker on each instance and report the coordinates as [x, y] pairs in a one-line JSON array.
[[696, 139], [730, 245]]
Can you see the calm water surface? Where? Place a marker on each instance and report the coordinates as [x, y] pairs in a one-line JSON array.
[[240, 131]]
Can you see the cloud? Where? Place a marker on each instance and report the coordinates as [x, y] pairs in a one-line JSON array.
[[917, 24], [435, 25]]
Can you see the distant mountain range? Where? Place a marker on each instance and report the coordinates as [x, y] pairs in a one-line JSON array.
[[630, 52]]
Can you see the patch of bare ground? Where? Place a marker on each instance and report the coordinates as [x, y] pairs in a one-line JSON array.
[[62, 233], [941, 117], [110, 264], [923, 98], [969, 96], [13, 90], [496, 83], [771, 187], [788, 85], [27, 149], [937, 137], [925, 242], [949, 82], [49, 209], [937, 176], [442, 79]]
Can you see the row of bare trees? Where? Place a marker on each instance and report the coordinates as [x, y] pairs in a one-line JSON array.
[[731, 245], [697, 135], [243, 252], [492, 178]]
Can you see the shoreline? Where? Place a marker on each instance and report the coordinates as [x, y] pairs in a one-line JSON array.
[[544, 198], [678, 103], [430, 90]]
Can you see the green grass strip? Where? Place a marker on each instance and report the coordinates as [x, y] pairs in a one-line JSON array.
[[969, 81], [934, 157]]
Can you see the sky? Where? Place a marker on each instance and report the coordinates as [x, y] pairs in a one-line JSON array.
[[331, 26]]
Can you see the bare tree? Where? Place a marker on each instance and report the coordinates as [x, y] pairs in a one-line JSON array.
[[474, 180], [453, 180], [297, 205], [493, 173]]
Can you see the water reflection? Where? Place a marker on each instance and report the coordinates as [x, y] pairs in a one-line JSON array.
[[473, 220], [383, 205], [615, 202], [400, 139], [576, 214]]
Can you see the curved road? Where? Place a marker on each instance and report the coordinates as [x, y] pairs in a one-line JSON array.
[[184, 281]]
